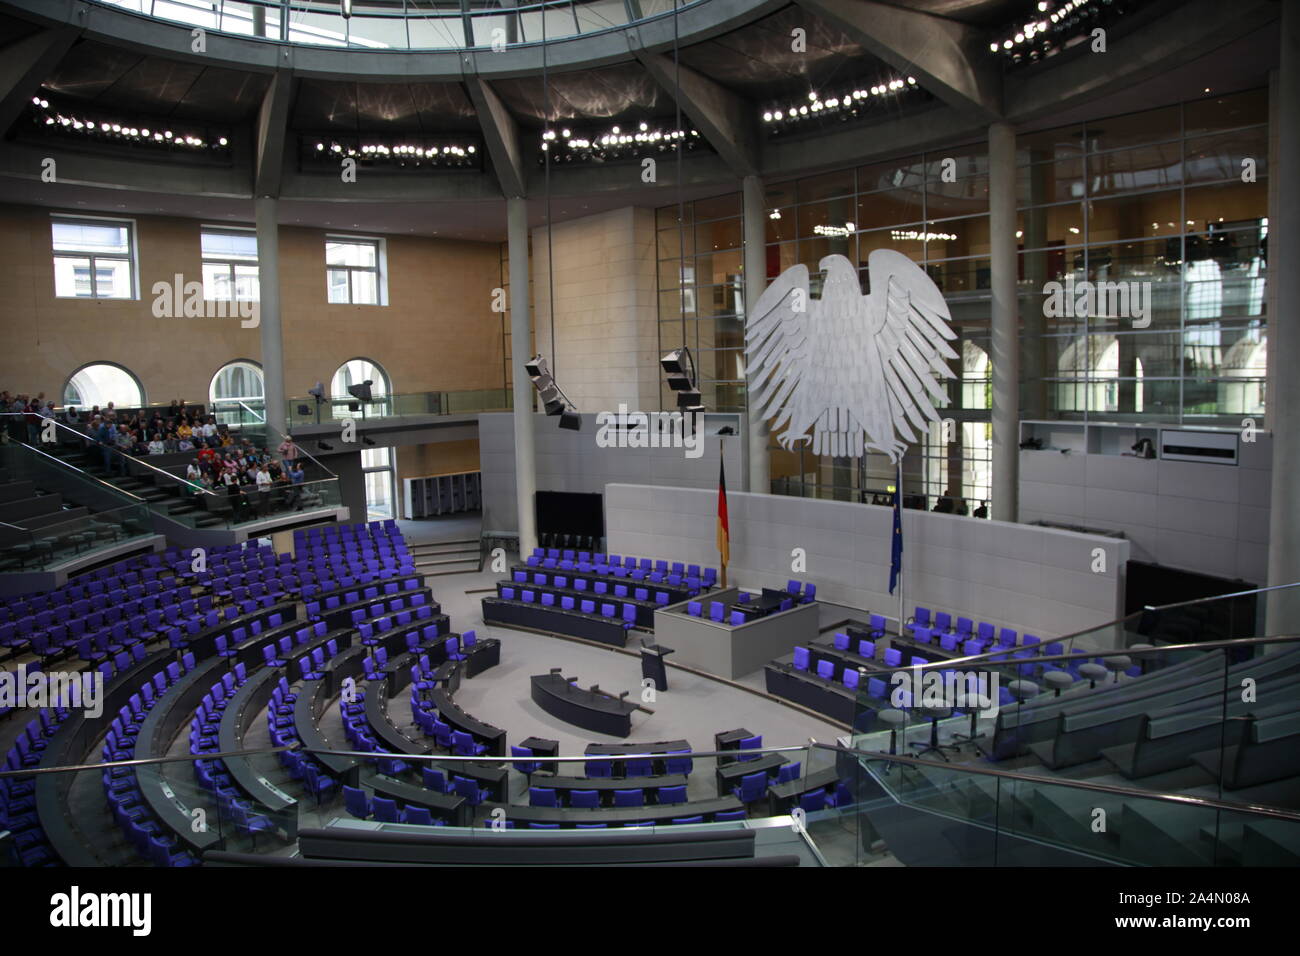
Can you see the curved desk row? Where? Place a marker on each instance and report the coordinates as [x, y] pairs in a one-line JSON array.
[[621, 816], [645, 609], [244, 706], [605, 785], [170, 715], [590, 709], [832, 699], [605, 630], [73, 741], [313, 697], [494, 738], [453, 808], [341, 616], [676, 592]]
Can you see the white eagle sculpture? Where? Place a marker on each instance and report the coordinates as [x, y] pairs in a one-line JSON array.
[[854, 368]]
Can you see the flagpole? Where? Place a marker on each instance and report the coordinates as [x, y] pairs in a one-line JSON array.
[[722, 555], [898, 486]]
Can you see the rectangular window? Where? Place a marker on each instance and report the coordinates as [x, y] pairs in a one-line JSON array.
[[229, 265], [353, 273], [93, 258]]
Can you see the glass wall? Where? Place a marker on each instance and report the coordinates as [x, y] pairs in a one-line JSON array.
[[1142, 243], [1158, 223]]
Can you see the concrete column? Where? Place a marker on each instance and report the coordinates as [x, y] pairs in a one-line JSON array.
[[1281, 412], [268, 280], [521, 346], [1004, 332], [759, 472]]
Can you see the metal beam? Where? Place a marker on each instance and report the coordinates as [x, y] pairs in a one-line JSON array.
[[724, 119], [500, 135], [272, 129], [25, 65], [948, 58]]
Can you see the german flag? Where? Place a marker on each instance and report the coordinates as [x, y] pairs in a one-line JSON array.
[[724, 529]]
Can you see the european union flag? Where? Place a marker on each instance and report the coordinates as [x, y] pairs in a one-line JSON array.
[[896, 555]]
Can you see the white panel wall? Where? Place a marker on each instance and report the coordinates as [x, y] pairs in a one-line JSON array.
[[1212, 519], [1033, 579], [571, 461]]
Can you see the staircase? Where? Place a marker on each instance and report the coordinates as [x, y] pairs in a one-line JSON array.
[[164, 497], [455, 556]]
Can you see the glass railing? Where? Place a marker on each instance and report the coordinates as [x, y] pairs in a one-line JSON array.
[[1188, 736], [308, 411], [843, 806], [98, 514], [52, 543], [93, 467], [405, 24]]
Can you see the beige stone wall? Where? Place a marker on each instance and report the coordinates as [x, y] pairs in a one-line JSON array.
[[436, 333], [606, 313]]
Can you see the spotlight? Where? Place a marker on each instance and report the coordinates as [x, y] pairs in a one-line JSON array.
[[367, 440], [362, 391], [554, 401], [324, 446], [680, 369]]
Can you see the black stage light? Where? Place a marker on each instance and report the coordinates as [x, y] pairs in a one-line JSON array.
[[324, 446], [362, 391], [554, 401]]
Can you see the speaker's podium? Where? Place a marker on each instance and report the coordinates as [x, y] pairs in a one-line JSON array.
[[652, 663]]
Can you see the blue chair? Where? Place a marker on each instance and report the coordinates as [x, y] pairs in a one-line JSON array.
[[801, 658], [753, 787], [699, 819], [464, 745], [750, 743], [693, 608], [434, 780], [793, 587], [826, 670], [356, 802], [813, 800], [850, 678], [526, 767], [672, 794], [419, 816], [737, 618], [788, 772], [542, 797], [598, 768], [386, 811], [585, 799], [716, 609], [629, 798], [841, 641], [727, 816], [638, 767]]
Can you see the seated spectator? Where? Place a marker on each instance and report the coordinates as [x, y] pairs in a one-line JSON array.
[[156, 446]]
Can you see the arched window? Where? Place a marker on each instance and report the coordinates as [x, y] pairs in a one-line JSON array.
[[376, 463], [100, 383], [237, 393], [358, 370]]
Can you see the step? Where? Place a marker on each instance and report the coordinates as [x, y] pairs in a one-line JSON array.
[[433, 564], [428, 550], [1152, 835]]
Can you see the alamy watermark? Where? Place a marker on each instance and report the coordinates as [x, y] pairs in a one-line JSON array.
[[75, 690], [180, 299], [960, 690], [626, 429], [1121, 300]]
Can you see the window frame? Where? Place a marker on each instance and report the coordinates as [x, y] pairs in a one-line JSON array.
[[379, 269], [206, 260], [131, 258]]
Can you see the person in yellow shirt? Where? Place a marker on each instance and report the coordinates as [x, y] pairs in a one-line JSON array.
[[184, 431]]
